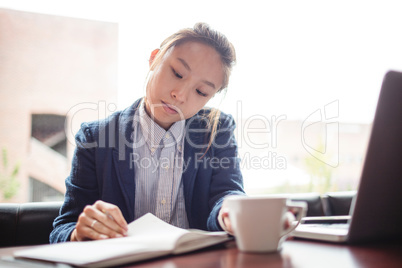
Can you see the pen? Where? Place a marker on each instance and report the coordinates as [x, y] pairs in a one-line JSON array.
[[111, 217], [108, 214]]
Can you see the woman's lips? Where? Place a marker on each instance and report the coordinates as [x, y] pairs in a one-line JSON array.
[[169, 109]]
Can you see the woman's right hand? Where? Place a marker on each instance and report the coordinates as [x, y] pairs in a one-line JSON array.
[[100, 221]]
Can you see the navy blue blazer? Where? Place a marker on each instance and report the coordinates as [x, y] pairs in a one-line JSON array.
[[102, 169]]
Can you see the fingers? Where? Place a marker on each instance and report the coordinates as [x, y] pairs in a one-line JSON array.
[[85, 229], [112, 216], [224, 217], [100, 221], [226, 221], [288, 219]]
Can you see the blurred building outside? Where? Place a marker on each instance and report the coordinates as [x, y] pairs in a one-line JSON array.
[[54, 72], [287, 166]]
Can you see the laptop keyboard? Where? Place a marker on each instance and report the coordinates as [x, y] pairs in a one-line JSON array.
[[330, 225]]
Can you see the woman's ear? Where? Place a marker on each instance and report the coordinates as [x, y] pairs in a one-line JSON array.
[[153, 55]]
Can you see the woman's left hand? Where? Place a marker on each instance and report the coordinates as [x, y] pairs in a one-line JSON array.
[[224, 219]]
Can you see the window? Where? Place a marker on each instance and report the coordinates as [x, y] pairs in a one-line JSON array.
[[54, 71], [303, 92]]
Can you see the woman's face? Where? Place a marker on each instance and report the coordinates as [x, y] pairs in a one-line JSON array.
[[187, 77]]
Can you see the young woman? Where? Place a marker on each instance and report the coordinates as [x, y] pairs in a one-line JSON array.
[[166, 154]]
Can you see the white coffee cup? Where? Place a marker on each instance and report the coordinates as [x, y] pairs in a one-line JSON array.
[[258, 223]]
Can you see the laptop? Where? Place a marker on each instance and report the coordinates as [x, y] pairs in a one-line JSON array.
[[376, 210]]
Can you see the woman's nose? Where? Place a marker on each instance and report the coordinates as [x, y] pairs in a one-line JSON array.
[[179, 94]]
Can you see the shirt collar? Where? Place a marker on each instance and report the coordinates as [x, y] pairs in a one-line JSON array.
[[153, 133]]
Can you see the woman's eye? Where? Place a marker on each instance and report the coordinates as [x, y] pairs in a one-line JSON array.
[[176, 74], [201, 93]]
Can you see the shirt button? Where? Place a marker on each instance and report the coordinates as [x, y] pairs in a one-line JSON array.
[[179, 147], [167, 136], [163, 201], [153, 149]]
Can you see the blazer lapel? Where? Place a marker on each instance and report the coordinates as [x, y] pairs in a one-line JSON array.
[[194, 148], [122, 153]]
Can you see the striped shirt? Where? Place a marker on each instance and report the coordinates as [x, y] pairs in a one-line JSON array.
[[158, 168]]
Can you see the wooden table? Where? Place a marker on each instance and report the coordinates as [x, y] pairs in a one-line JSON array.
[[295, 253]]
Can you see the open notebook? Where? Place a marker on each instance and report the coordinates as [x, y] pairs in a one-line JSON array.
[[148, 237], [375, 213]]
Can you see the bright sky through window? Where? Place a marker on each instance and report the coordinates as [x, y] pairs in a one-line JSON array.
[[293, 56]]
